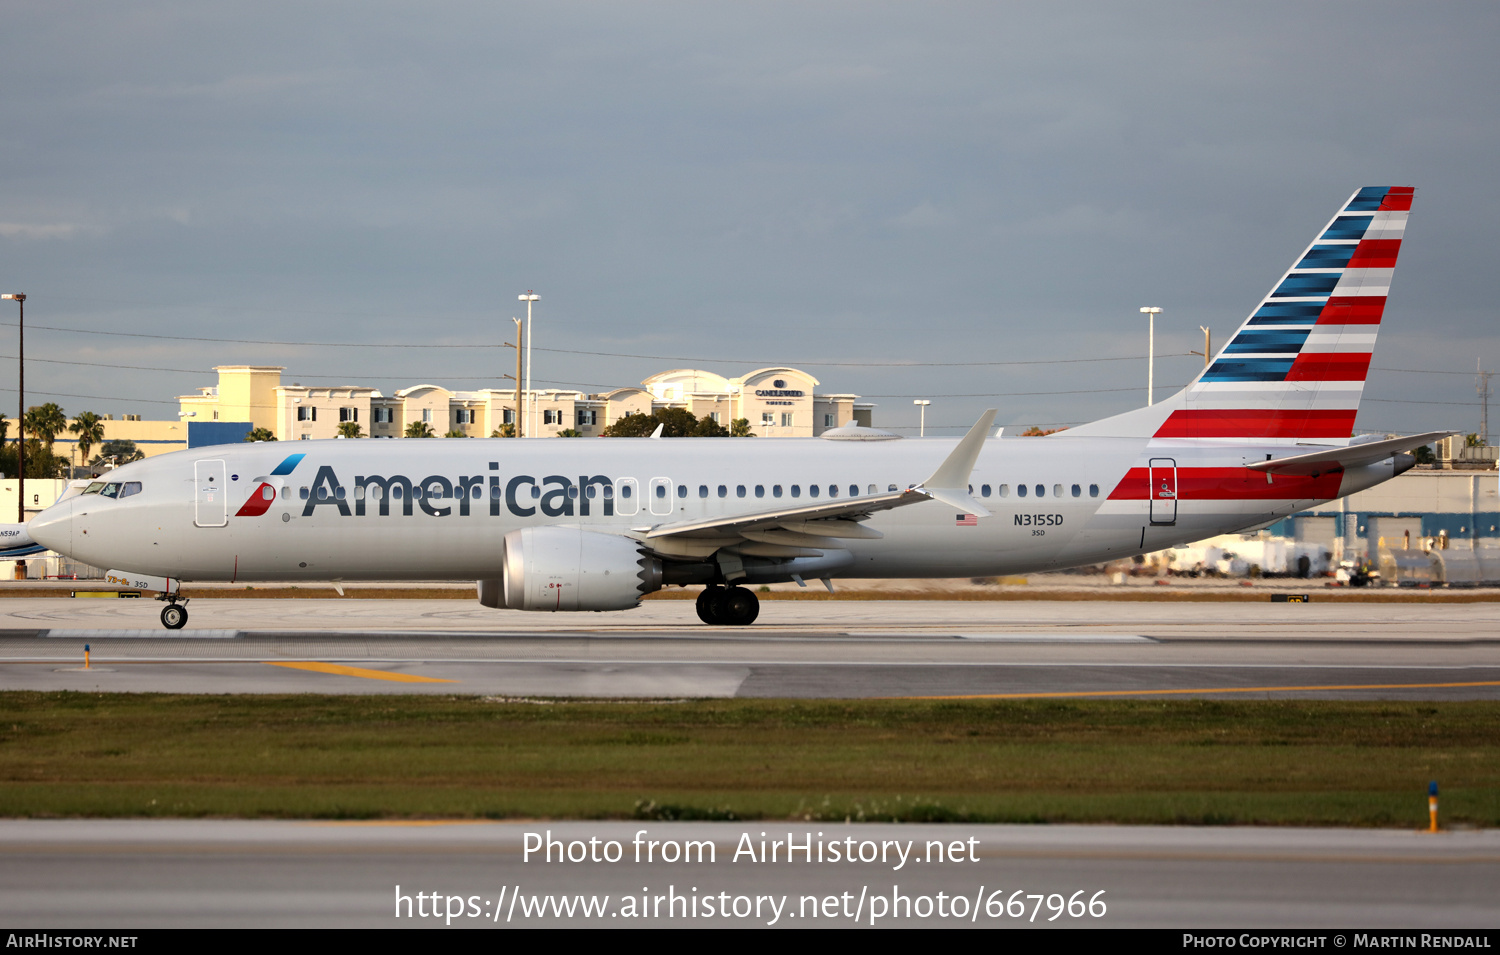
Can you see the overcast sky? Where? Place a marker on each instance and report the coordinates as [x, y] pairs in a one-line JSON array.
[[894, 186]]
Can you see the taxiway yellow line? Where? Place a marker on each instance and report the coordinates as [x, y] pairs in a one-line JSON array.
[[340, 670], [1215, 689]]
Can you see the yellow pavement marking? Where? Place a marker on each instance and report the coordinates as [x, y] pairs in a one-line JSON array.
[[406, 822], [340, 670], [1215, 689]]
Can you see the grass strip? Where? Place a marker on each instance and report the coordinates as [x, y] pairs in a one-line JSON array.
[[1289, 762]]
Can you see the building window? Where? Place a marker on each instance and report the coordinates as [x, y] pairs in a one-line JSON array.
[[786, 419], [216, 416], [586, 417], [427, 416], [465, 415], [348, 414], [828, 420], [508, 416], [715, 416], [384, 415], [307, 413], [768, 418], [551, 416]]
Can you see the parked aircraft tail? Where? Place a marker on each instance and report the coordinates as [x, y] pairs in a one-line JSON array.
[[1296, 368]]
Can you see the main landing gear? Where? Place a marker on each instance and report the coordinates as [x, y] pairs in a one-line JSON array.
[[174, 614], [728, 606]]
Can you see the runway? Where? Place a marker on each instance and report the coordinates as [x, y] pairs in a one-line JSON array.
[[122, 874], [843, 649]]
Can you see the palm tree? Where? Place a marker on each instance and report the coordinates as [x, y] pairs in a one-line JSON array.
[[455, 433], [90, 430], [350, 429], [260, 434], [4, 427], [419, 429], [45, 422]]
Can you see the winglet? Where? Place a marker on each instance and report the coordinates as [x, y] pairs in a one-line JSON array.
[[657, 432], [950, 482]]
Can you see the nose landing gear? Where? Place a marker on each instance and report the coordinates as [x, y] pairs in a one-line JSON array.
[[174, 615], [728, 606]]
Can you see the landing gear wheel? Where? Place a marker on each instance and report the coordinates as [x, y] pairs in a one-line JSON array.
[[738, 607], [173, 616], [708, 602]]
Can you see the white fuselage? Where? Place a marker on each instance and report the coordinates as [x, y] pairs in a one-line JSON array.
[[192, 516]]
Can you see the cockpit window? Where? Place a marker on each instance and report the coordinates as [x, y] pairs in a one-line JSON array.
[[112, 489], [94, 488], [131, 487]]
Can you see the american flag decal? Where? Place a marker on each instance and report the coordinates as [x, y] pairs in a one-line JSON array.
[[967, 520]]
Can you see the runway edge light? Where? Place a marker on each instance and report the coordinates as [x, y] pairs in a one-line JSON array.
[[1432, 806]]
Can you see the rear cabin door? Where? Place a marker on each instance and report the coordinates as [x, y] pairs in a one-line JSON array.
[[1163, 490], [211, 497]]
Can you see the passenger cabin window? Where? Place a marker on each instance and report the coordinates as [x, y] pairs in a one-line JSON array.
[[1020, 490], [1003, 490], [703, 490], [739, 490], [796, 490], [1077, 491], [776, 490], [1057, 490], [661, 491], [302, 493], [1093, 490], [724, 491], [760, 490], [1041, 490], [681, 490]]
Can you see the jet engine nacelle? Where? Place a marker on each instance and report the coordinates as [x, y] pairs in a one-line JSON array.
[[566, 568]]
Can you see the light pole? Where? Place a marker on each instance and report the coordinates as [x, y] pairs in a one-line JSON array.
[[1151, 352], [922, 403], [520, 341], [528, 298], [20, 299]]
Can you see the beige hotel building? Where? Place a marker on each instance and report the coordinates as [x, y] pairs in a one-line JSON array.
[[778, 402]]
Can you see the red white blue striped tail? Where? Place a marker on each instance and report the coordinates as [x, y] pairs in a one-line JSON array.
[[1296, 368]]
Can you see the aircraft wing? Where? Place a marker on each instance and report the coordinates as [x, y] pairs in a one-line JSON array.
[[801, 530], [1351, 456]]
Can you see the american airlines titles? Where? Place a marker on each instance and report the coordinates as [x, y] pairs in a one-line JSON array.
[[524, 495]]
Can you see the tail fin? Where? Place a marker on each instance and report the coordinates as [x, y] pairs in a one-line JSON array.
[[1296, 368]]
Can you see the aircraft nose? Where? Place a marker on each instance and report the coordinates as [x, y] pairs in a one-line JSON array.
[[53, 528]]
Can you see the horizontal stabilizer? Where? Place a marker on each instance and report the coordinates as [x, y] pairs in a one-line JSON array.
[[1353, 456]]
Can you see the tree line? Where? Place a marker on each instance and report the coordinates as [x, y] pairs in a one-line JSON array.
[[40, 427]]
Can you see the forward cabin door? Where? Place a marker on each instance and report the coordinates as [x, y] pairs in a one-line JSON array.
[[1163, 490], [211, 497]]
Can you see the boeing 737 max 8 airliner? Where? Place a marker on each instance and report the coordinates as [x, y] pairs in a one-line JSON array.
[[1263, 432]]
